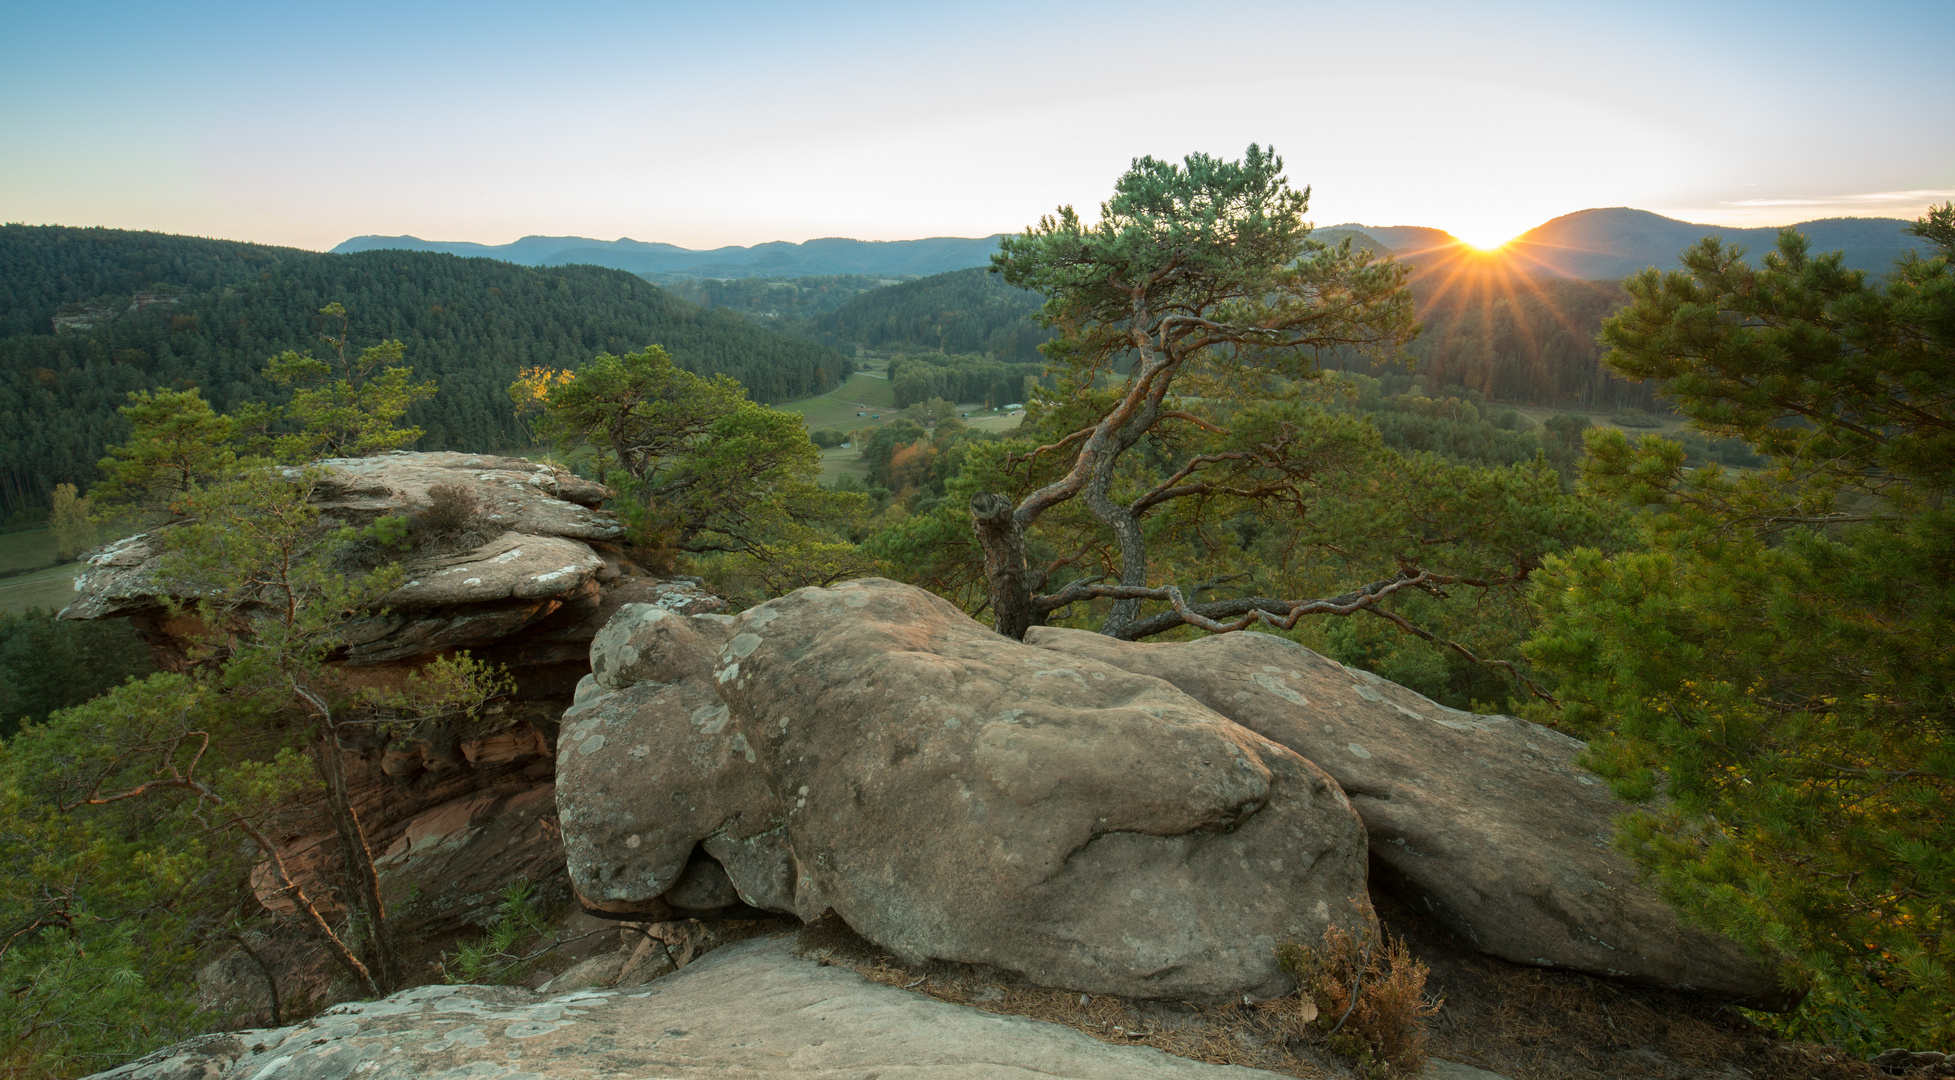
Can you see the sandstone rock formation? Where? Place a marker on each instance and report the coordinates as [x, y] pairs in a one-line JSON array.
[[1134, 819], [748, 1010], [953, 795], [531, 595], [1484, 822], [455, 811]]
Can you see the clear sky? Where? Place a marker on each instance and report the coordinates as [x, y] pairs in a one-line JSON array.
[[704, 124]]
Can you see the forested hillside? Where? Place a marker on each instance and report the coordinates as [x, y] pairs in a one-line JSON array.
[[1511, 337], [211, 312], [920, 377], [1519, 324], [785, 303], [779, 259], [1522, 340], [42, 269], [964, 311]]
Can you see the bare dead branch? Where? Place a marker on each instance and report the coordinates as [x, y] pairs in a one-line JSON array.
[[1049, 447], [1519, 676], [1244, 612]]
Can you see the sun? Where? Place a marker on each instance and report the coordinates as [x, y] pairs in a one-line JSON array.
[[1490, 230], [1484, 239]]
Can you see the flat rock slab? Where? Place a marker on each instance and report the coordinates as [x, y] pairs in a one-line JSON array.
[[525, 496], [546, 511], [748, 1010], [513, 564]]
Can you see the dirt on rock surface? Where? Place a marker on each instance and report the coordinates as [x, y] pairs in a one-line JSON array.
[[1488, 823], [1499, 1020]]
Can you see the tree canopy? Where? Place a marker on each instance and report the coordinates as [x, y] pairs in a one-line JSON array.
[[1197, 275], [703, 470], [1771, 667], [155, 313]]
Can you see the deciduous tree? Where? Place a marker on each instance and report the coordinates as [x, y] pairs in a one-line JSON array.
[[69, 522]]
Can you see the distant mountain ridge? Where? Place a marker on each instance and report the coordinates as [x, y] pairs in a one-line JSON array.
[[1612, 243], [1604, 243], [779, 259]]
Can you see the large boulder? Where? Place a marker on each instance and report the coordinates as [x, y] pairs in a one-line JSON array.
[[747, 1010], [1484, 822], [955, 795], [646, 774]]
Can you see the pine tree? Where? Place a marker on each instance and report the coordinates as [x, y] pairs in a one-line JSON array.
[[1773, 672]]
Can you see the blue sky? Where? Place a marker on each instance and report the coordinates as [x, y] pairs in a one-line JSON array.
[[730, 123]]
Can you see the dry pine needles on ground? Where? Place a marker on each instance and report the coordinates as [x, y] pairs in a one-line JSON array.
[[1521, 1022]]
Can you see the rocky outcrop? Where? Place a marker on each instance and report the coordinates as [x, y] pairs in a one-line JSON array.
[[1485, 823], [1147, 820], [453, 862], [455, 811], [679, 799], [747, 1010], [951, 794], [543, 579], [89, 314]]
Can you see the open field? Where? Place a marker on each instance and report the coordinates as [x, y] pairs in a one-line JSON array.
[[53, 587], [1599, 417], [992, 421], [837, 462], [26, 550], [36, 582], [866, 392]]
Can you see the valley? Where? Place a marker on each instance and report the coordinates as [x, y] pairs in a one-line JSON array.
[[686, 605], [31, 575], [1088, 540]]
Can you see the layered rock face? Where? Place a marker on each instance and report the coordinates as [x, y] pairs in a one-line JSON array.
[[1147, 820], [455, 811], [531, 595], [951, 794], [1486, 823]]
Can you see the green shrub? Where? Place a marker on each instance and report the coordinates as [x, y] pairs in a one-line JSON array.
[[495, 957]]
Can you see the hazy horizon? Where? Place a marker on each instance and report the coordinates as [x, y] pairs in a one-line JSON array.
[[753, 123], [996, 232]]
